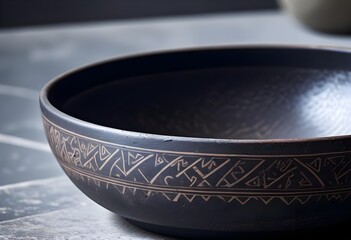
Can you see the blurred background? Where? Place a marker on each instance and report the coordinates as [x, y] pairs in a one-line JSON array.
[[17, 13]]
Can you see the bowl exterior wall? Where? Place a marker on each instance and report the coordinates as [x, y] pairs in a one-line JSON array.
[[199, 183], [204, 190]]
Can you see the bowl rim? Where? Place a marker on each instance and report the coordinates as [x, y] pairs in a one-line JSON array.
[[46, 104]]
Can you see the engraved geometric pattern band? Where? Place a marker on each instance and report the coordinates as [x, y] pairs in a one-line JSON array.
[[188, 176]]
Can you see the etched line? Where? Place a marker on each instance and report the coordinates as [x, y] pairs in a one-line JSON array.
[[142, 174], [247, 174], [225, 175], [87, 163], [343, 168], [107, 160], [212, 192], [305, 178], [165, 168], [216, 169], [140, 162], [279, 170], [311, 171], [280, 177], [344, 174], [190, 166]]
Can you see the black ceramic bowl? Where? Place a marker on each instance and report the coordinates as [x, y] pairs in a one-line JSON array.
[[223, 140]]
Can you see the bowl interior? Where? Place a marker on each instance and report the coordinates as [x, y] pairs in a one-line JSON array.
[[255, 100]]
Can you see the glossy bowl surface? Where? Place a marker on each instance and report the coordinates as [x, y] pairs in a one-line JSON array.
[[213, 140]]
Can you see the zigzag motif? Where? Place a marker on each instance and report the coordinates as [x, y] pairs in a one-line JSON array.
[[230, 178]]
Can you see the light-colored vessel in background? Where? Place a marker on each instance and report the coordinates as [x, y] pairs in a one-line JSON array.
[[322, 15]]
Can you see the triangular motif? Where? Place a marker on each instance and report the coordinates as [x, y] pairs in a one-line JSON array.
[[345, 195], [159, 160], [204, 183], [206, 197], [239, 171], [83, 147], [343, 172], [278, 174], [266, 200], [303, 199], [242, 200], [305, 182], [134, 158], [132, 190], [287, 200], [90, 164], [64, 154], [121, 189], [226, 198], [103, 153], [91, 148], [147, 193], [56, 136], [179, 162], [254, 182], [316, 164], [169, 196], [189, 197], [333, 197], [210, 164], [126, 162]]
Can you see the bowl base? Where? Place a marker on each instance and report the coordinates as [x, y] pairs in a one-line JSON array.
[[205, 234], [188, 233]]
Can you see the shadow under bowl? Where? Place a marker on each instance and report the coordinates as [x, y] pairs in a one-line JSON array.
[[222, 140]]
